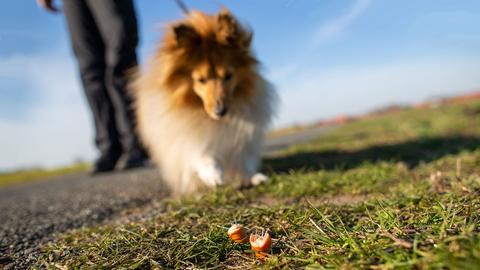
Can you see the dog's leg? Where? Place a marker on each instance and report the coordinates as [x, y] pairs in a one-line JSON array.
[[210, 171], [248, 173], [258, 178]]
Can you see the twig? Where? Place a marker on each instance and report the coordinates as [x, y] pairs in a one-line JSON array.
[[398, 241], [316, 226]]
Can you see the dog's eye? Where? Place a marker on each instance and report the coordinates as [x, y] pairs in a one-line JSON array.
[[227, 76], [202, 80]]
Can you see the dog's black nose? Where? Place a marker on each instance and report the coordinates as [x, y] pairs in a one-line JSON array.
[[221, 111]]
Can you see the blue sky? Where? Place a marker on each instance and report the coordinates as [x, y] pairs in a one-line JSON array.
[[326, 57]]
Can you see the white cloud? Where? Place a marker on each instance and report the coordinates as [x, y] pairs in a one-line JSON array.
[[336, 26], [313, 94], [326, 32], [56, 129]]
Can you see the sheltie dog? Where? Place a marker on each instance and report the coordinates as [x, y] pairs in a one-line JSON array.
[[202, 107]]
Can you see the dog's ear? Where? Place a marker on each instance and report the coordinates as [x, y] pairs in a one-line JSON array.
[[226, 26], [185, 35], [230, 31]]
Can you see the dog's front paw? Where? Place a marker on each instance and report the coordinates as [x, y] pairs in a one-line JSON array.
[[258, 178], [211, 177], [210, 172]]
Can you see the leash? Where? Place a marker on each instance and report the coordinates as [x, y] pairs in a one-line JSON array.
[[182, 6]]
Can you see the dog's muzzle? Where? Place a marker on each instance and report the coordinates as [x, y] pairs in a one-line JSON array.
[[221, 111]]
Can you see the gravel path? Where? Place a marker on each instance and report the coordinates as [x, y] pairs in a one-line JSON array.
[[32, 214]]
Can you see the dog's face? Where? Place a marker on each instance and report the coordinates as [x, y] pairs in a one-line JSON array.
[[215, 85], [213, 54]]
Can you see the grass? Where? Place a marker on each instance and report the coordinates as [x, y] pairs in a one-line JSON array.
[[398, 191], [31, 175]]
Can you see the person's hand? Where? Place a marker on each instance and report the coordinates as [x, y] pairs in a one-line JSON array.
[[48, 5]]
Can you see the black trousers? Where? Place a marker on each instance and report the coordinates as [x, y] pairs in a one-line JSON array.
[[104, 37]]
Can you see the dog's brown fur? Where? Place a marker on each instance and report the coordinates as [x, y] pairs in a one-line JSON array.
[[199, 39], [204, 63]]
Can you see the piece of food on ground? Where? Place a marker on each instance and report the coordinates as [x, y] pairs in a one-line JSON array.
[[261, 244], [238, 233]]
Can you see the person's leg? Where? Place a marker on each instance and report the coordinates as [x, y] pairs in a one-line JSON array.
[[89, 50], [118, 26]]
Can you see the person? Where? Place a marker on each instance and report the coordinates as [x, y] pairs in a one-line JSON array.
[[104, 38]]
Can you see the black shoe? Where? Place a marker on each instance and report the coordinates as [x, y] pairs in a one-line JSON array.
[[131, 161], [105, 163]]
